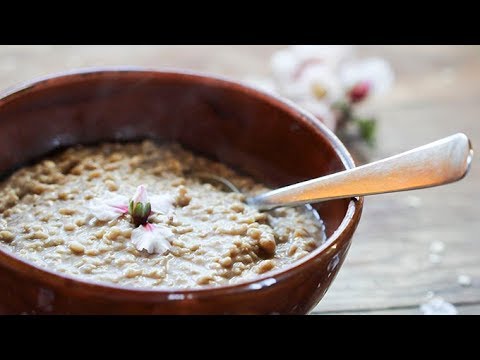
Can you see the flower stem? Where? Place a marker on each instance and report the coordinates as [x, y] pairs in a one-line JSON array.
[[367, 128]]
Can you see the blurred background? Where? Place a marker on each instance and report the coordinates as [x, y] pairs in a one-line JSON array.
[[410, 247]]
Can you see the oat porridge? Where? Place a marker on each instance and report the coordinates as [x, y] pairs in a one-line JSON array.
[[136, 214]]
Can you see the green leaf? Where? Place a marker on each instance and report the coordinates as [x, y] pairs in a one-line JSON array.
[[130, 207], [146, 210], [367, 129], [138, 211]]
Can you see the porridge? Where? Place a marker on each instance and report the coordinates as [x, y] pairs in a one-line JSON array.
[[137, 214]]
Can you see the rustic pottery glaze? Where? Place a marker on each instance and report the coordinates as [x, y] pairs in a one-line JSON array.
[[259, 134]]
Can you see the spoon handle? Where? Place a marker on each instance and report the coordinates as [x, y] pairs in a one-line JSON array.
[[440, 162]]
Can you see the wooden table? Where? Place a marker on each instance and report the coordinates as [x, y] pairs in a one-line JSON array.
[[389, 269]]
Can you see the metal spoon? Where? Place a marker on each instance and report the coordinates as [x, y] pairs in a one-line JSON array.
[[438, 163]]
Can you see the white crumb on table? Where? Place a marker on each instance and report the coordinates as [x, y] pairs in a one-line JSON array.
[[437, 247], [434, 258], [438, 306], [413, 201], [464, 280]]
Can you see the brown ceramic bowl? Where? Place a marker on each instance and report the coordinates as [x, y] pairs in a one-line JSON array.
[[256, 133]]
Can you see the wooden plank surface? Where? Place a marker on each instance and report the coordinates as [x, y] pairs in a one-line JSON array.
[[389, 269], [437, 94], [414, 310]]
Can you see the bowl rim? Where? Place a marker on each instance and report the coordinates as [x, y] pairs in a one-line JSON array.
[[57, 279]]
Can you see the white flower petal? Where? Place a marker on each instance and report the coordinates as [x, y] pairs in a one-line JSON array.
[[331, 55], [317, 77], [109, 207], [161, 203], [103, 212], [289, 63], [141, 195], [153, 238], [376, 71], [299, 70], [283, 64], [115, 200]]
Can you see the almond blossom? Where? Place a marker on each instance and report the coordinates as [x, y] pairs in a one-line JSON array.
[[114, 206], [362, 78], [329, 81], [331, 55], [288, 64], [309, 71], [316, 83], [146, 236]]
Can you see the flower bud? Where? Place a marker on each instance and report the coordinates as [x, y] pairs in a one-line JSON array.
[[359, 91], [138, 208]]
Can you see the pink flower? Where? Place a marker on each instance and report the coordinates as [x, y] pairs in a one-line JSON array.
[[114, 206], [317, 82], [306, 75], [331, 55], [146, 236], [367, 77], [289, 65], [359, 91]]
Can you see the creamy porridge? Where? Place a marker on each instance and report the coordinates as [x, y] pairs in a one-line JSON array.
[[136, 214]]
